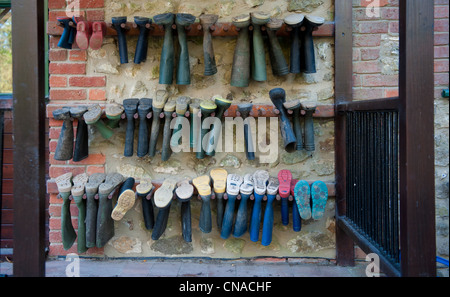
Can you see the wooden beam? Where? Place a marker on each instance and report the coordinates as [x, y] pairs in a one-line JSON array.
[[343, 89], [220, 29], [259, 110], [28, 38], [416, 114]]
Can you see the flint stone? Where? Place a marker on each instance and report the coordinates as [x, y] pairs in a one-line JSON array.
[[234, 245], [295, 157], [310, 242], [254, 3], [304, 5], [207, 245], [126, 245], [230, 161], [174, 245]]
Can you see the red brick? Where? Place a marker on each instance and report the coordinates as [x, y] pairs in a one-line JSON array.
[[365, 3], [52, 161], [373, 27], [367, 40], [53, 15], [67, 68], [441, 52], [54, 132], [95, 169], [67, 94], [391, 93], [370, 54], [52, 146], [95, 15], [56, 4], [367, 94], [394, 27], [54, 199], [441, 66], [441, 39], [57, 55], [97, 94], [78, 55], [92, 3], [380, 80], [441, 12], [367, 67], [390, 13], [87, 81], [55, 171], [57, 81], [441, 25], [441, 79], [93, 159]]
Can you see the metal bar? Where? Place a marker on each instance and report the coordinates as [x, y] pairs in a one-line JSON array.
[[386, 265], [417, 185], [29, 140]]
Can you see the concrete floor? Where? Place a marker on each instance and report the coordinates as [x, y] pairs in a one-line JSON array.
[[271, 267]]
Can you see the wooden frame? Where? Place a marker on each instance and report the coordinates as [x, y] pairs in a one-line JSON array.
[[416, 112], [29, 137]]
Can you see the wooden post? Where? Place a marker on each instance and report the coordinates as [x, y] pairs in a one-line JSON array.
[[343, 91], [417, 188], [28, 41]]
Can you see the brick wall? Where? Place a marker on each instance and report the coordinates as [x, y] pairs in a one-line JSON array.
[[69, 83]]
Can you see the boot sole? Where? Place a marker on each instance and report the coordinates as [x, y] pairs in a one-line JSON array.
[[284, 177], [219, 177], [124, 203], [164, 194], [302, 197], [319, 195], [202, 185]]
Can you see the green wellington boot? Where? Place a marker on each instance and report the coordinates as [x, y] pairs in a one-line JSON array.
[[222, 105], [177, 134], [169, 109], [310, 109], [207, 20], [92, 207], [279, 64], [105, 224], [114, 113], [259, 72], [295, 106], [79, 183], [195, 124], [92, 117], [145, 190], [125, 201], [159, 101], [240, 72], [183, 70], [207, 107], [68, 235], [167, 52]]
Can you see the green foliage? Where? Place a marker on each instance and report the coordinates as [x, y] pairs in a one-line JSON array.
[[5, 57]]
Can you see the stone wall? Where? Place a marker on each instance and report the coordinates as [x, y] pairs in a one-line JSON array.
[[87, 77]]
